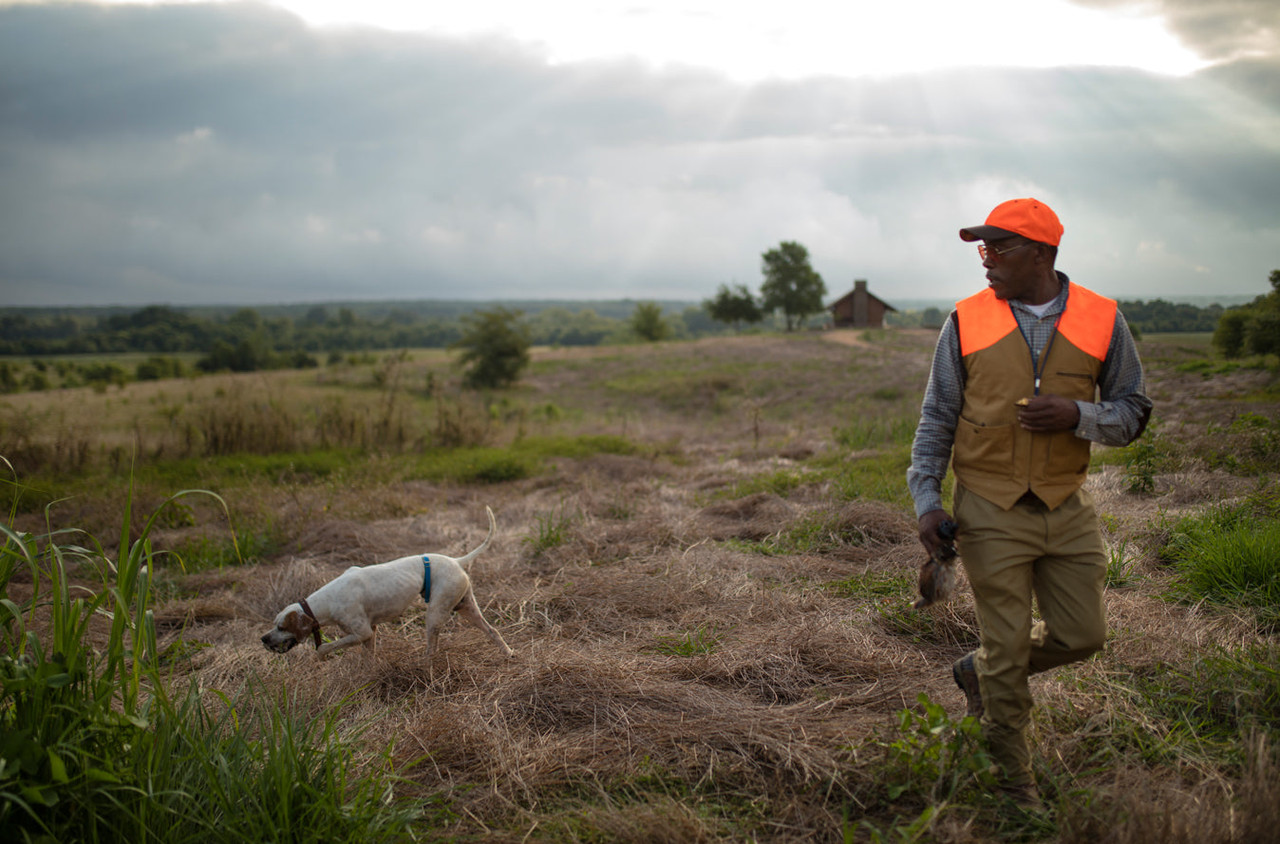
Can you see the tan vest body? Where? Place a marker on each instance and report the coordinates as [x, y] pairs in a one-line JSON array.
[[993, 456]]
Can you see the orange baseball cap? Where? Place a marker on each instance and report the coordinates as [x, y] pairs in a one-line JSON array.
[[1030, 218]]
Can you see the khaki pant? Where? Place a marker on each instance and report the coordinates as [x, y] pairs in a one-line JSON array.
[[1009, 556]]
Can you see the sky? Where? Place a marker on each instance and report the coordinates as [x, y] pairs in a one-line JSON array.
[[326, 150]]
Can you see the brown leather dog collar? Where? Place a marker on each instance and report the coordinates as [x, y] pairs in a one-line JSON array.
[[315, 631]]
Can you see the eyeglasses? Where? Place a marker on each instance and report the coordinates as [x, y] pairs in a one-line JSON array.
[[997, 254]]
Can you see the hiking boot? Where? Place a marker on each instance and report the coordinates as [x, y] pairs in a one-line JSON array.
[[966, 677]]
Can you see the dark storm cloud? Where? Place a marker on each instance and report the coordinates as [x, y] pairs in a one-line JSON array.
[[231, 154], [1241, 36], [1220, 30]]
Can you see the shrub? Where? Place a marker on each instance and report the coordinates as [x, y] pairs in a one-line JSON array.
[[934, 760], [495, 348], [156, 368], [647, 323]]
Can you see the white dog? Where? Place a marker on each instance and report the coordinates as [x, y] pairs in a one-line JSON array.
[[361, 598]]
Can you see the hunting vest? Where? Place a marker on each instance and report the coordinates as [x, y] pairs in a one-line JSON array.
[[993, 456]]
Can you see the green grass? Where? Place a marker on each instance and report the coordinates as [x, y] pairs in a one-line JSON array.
[[1220, 694], [201, 553], [875, 431], [1196, 710], [476, 464], [781, 483], [702, 640], [879, 477], [551, 530], [1230, 556], [817, 532], [472, 465], [1250, 445], [1209, 368], [875, 585], [586, 445], [717, 390], [1121, 566]]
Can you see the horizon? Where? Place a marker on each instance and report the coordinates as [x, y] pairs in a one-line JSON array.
[[908, 303]]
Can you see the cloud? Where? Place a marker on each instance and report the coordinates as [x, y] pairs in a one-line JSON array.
[[1222, 30], [229, 153], [1242, 38]]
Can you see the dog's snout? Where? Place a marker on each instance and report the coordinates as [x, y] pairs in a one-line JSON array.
[[278, 641]]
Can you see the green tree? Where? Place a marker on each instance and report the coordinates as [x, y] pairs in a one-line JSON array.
[[734, 306], [1254, 327], [648, 324], [791, 284], [1229, 334], [495, 347], [316, 316], [1264, 332]]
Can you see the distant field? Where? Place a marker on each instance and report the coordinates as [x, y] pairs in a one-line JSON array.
[[1202, 339]]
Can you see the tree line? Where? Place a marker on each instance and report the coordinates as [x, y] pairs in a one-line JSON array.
[[246, 334], [791, 293]]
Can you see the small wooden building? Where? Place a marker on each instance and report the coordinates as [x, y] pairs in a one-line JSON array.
[[859, 309]]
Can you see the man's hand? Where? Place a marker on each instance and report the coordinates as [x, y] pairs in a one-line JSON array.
[[929, 523], [1046, 414]]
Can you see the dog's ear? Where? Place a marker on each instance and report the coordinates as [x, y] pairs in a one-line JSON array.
[[297, 623]]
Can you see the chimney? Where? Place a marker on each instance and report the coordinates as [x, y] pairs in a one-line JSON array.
[[861, 305]]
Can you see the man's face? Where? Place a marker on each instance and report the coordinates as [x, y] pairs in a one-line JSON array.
[[1010, 264]]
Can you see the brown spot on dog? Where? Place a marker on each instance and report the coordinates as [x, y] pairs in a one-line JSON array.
[[298, 623]]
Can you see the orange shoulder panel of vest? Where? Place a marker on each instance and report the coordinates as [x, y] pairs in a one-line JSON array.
[[1089, 321], [984, 320]]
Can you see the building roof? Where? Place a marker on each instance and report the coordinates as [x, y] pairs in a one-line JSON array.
[[870, 295]]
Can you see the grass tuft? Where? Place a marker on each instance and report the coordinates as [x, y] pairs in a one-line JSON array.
[[1229, 556], [702, 640], [551, 530]]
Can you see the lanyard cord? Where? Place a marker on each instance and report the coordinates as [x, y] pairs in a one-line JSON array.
[[1037, 367]]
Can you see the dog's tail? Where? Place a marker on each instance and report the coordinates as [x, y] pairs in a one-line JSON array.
[[493, 527]]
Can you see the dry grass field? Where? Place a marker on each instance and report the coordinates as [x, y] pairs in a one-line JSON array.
[[711, 614]]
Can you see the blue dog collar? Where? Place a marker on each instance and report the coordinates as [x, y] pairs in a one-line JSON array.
[[426, 580]]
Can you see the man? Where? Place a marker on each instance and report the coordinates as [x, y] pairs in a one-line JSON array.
[[1026, 374]]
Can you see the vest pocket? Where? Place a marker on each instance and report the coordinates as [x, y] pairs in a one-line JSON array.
[[1066, 457], [1082, 380], [984, 448]]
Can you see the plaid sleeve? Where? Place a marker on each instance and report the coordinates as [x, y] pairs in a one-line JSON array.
[[1125, 408], [939, 414]]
